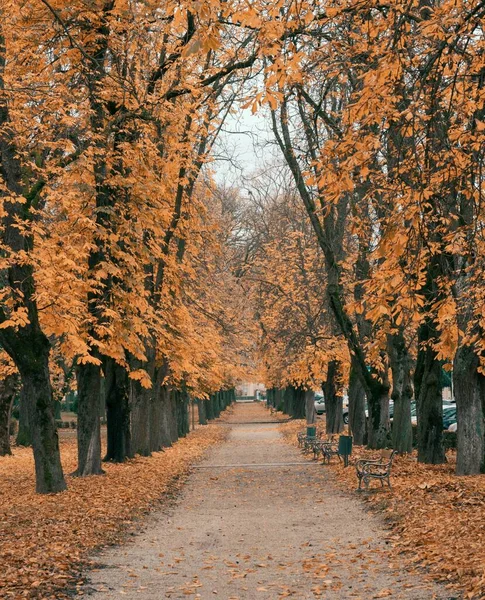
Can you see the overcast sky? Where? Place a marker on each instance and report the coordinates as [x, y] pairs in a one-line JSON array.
[[244, 145]]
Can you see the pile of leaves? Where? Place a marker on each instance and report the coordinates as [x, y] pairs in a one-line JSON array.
[[437, 519], [45, 540]]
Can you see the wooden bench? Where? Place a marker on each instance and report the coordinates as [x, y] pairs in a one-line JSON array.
[[379, 469]]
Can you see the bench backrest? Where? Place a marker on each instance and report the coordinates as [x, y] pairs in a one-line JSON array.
[[387, 455]]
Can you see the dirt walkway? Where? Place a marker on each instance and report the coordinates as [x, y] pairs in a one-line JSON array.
[[255, 521]]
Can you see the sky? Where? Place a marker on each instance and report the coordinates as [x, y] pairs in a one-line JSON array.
[[244, 145]]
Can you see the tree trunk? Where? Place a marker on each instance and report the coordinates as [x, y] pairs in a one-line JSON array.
[[333, 399], [32, 360], [429, 400], [402, 393], [279, 399], [378, 403], [288, 400], [183, 423], [143, 402], [201, 411], [298, 408], [209, 408], [156, 420], [117, 412], [173, 420], [8, 387], [218, 397], [23, 435], [88, 420], [159, 409], [310, 414], [357, 419], [162, 416], [469, 389], [140, 403]]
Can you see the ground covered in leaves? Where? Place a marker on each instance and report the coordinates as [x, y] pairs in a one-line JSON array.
[[256, 521], [44, 540], [438, 519]]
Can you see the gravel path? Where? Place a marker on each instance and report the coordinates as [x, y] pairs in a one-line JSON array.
[[256, 521]]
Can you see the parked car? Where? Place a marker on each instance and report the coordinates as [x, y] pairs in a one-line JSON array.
[[319, 404], [391, 412], [414, 418], [449, 416], [449, 413], [346, 410]]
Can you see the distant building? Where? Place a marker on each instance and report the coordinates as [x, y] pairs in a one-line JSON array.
[[251, 389]]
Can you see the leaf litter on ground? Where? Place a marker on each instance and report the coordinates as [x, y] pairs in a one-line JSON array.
[[46, 540], [436, 519]]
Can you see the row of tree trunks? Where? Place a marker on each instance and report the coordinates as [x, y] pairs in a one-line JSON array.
[[139, 420], [274, 398], [294, 402]]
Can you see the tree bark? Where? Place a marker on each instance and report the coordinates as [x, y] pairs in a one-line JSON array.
[[429, 399], [183, 423], [402, 393], [288, 400], [378, 403], [156, 420], [310, 414], [163, 415], [469, 389], [88, 420], [209, 408], [140, 402], [201, 411], [117, 412], [173, 420], [23, 435], [8, 388], [333, 399], [357, 419]]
